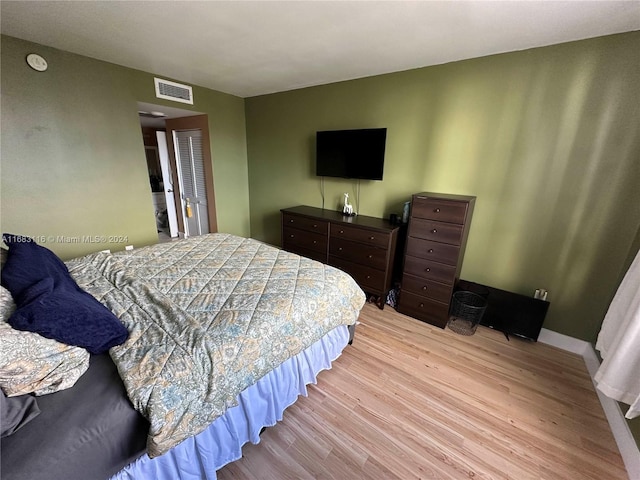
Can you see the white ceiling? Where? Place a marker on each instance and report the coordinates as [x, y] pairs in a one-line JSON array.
[[253, 48]]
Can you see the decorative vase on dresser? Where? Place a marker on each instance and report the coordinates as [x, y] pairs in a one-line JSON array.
[[364, 247], [436, 240]]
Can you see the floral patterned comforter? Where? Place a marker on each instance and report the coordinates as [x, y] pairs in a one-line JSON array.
[[208, 317]]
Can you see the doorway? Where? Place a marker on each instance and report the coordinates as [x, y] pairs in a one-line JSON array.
[[178, 152]]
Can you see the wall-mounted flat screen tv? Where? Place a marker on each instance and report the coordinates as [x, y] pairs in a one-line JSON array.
[[351, 153]]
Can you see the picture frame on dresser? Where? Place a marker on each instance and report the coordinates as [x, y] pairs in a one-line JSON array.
[[436, 240]]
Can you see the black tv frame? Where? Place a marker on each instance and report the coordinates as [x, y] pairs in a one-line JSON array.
[[351, 153]]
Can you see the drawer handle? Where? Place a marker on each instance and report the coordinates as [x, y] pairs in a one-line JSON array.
[[369, 256], [315, 241], [424, 288], [372, 238], [291, 221], [434, 231], [436, 210], [341, 231], [339, 249], [427, 269], [430, 250], [422, 305], [315, 226], [291, 235], [368, 277]]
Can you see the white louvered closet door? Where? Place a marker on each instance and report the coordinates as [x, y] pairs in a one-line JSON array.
[[190, 165]]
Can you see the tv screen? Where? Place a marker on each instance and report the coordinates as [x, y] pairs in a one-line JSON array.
[[351, 153]]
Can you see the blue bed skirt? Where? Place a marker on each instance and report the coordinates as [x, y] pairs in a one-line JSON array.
[[260, 405]]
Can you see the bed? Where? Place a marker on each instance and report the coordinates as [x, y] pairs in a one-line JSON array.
[[242, 325]]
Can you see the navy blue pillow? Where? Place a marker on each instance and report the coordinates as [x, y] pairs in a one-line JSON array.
[[49, 301]]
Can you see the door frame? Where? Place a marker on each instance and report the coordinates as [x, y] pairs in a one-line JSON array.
[[196, 122]]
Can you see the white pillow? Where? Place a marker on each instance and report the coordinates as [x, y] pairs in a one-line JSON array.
[[31, 363]]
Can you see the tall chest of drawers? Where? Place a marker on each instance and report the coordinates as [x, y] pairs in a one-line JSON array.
[[436, 240], [362, 246]]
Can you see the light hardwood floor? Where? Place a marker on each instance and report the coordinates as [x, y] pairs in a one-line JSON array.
[[409, 401]]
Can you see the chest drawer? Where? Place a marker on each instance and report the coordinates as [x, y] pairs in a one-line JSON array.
[[292, 237], [436, 231], [422, 268], [366, 277], [426, 288], [305, 223], [368, 255], [440, 252], [362, 235], [436, 313], [440, 210]]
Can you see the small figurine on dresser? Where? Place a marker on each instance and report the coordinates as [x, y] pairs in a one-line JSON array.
[[347, 209]]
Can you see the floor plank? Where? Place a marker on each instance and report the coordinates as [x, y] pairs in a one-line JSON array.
[[411, 401]]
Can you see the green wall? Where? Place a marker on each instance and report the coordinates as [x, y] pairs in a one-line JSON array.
[[73, 161], [547, 139]]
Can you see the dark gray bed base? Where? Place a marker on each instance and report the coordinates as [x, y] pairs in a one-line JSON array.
[[90, 431]]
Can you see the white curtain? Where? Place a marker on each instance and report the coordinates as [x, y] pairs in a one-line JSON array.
[[619, 344]]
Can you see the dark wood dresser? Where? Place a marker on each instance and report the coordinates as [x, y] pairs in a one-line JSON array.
[[436, 240], [364, 247]]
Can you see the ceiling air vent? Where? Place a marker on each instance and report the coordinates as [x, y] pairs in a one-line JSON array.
[[173, 91]]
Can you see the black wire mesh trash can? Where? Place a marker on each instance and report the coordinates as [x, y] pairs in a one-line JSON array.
[[466, 312]]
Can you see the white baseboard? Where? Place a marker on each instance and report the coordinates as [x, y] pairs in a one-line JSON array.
[[565, 342], [619, 426]]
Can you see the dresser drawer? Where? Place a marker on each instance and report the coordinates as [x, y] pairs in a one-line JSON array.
[[431, 311], [305, 252], [440, 252], [427, 288], [422, 268], [368, 278], [305, 223], [362, 235], [441, 210], [436, 231], [292, 237], [367, 255]]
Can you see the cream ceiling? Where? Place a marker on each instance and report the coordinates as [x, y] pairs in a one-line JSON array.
[[253, 48]]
